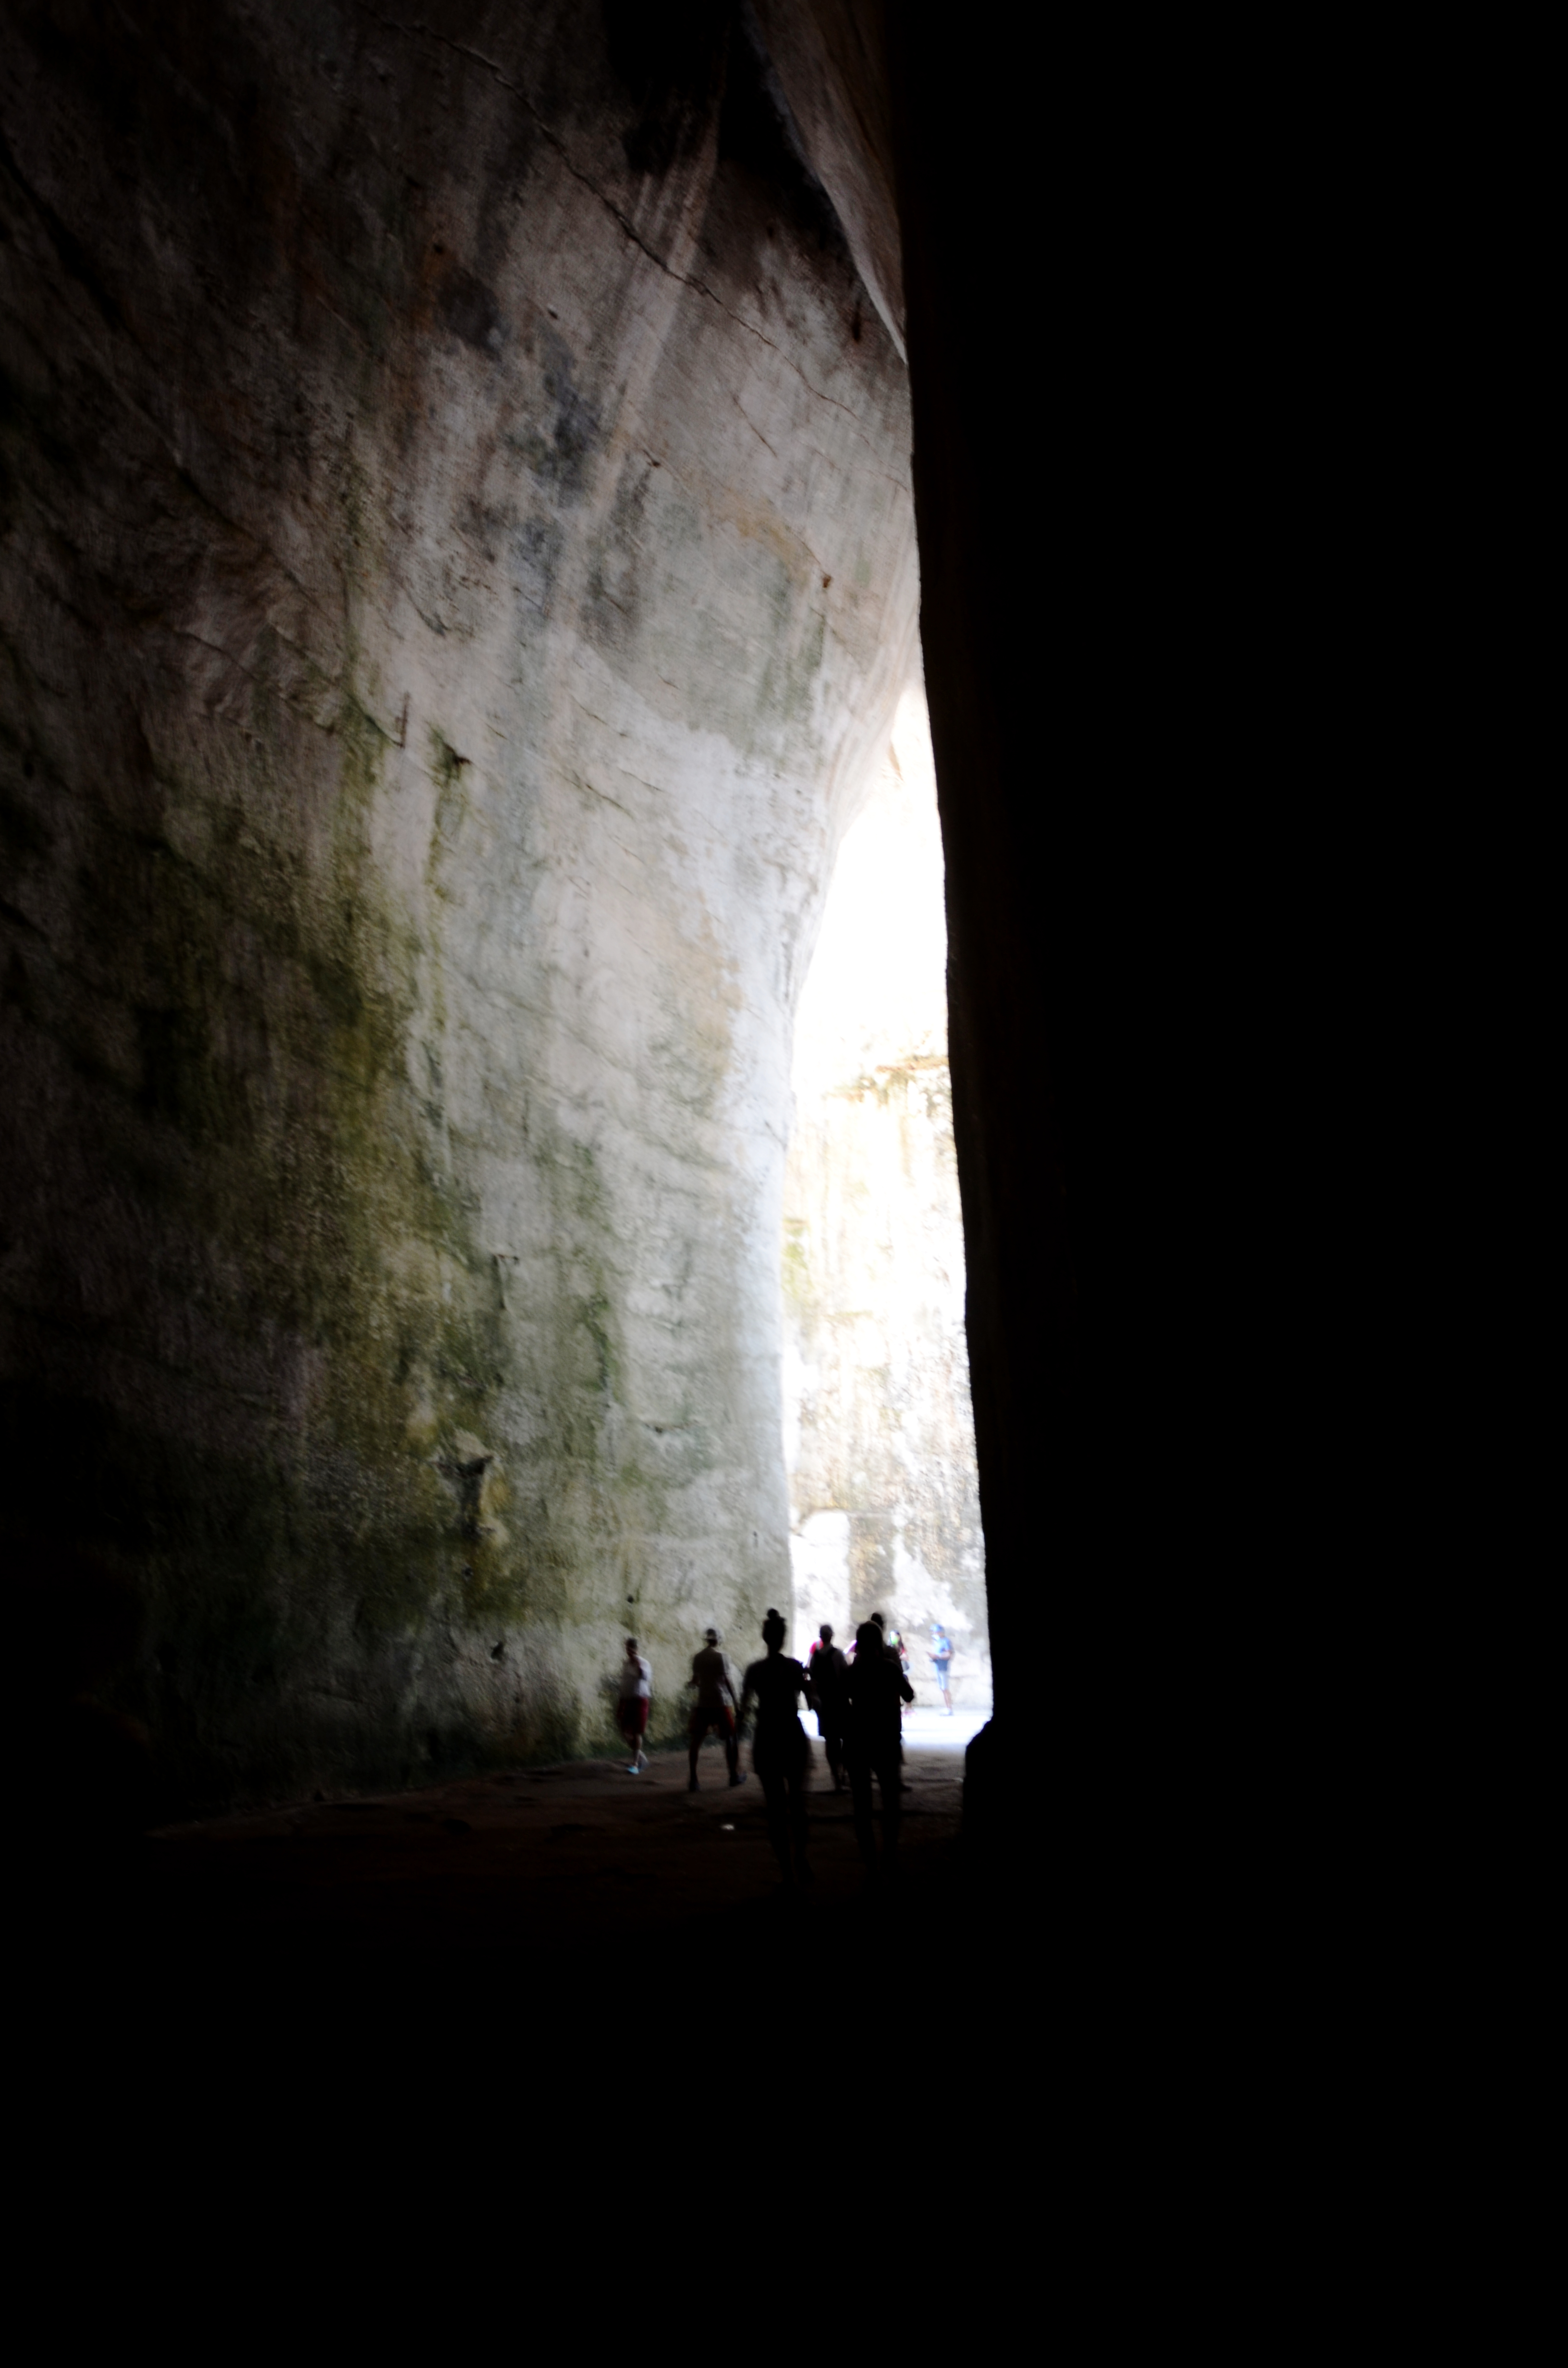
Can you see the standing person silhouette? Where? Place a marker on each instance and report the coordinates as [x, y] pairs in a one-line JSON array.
[[632, 1708], [710, 1676], [942, 1660], [875, 1690], [900, 1660], [826, 1676], [900, 1652], [779, 1753]]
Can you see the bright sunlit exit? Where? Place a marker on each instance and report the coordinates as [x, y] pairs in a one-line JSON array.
[[879, 1436]]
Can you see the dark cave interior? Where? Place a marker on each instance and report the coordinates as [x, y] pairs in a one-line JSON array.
[[473, 492]]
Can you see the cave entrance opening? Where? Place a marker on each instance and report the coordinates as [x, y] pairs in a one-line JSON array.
[[878, 1432]]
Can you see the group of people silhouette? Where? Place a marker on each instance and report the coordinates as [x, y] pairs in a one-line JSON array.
[[857, 1698]]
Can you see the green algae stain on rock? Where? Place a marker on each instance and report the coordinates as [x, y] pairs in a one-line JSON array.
[[403, 1269], [278, 1045]]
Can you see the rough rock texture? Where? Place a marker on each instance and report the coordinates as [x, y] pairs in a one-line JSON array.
[[456, 568], [878, 1434], [830, 57]]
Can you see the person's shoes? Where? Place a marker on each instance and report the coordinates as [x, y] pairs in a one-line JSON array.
[[691, 1783], [633, 1770], [739, 1779]]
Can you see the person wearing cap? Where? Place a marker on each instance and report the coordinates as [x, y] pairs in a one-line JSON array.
[[715, 1708], [632, 1707], [781, 1753]]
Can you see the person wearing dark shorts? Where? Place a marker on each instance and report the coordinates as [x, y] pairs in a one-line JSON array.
[[941, 1659], [632, 1704], [715, 1708], [780, 1754]]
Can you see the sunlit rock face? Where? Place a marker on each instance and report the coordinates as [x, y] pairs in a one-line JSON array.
[[458, 568], [878, 1431]]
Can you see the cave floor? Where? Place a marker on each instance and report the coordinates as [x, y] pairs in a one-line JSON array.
[[545, 1861]]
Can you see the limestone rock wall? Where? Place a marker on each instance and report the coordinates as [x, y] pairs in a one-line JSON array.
[[879, 1427], [456, 568]]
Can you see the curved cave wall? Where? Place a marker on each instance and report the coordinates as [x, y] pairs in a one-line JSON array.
[[457, 571]]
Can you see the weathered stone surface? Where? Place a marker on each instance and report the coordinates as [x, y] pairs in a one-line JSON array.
[[831, 60], [878, 1432], [458, 566]]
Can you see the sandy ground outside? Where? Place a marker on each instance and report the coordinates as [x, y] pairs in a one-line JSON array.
[[933, 1730]]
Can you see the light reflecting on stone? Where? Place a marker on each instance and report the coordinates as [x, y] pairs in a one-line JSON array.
[[879, 1435]]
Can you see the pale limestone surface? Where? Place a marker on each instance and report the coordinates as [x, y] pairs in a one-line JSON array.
[[432, 707], [878, 1431]]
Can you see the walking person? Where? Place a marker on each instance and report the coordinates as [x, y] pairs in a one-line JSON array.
[[781, 1753], [895, 1653], [632, 1702], [900, 1652], [892, 1645], [826, 1675], [942, 1662], [876, 1689], [715, 1708]]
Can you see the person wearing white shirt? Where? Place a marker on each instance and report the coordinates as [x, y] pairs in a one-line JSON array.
[[632, 1708]]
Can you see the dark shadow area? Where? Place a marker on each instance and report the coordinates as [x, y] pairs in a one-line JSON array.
[[346, 1466], [567, 1888]]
